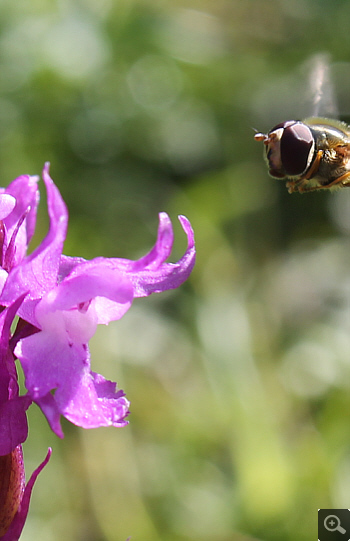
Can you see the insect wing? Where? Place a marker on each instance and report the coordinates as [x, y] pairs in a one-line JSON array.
[[308, 91]]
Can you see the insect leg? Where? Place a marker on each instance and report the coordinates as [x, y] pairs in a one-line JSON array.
[[342, 181]]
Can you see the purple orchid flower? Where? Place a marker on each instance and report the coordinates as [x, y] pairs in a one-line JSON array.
[[65, 300], [60, 301]]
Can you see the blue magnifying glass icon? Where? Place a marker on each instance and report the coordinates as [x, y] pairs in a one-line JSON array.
[[332, 524]]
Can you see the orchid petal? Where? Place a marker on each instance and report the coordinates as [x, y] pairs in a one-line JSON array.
[[87, 281], [25, 190], [85, 398], [95, 403], [150, 274], [48, 406], [13, 423], [37, 273], [13, 420], [7, 204]]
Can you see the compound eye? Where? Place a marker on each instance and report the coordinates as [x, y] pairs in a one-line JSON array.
[[284, 124], [297, 148]]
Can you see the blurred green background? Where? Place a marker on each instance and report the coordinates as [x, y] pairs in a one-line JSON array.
[[239, 381]]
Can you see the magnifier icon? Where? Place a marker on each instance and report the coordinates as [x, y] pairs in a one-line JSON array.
[[332, 524]]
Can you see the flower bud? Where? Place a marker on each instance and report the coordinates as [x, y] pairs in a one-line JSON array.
[[12, 483]]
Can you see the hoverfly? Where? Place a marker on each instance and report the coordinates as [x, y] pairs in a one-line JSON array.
[[312, 154]]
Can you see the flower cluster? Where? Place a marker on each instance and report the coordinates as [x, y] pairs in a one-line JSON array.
[[57, 302]]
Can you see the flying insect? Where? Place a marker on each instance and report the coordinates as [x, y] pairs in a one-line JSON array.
[[312, 154]]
